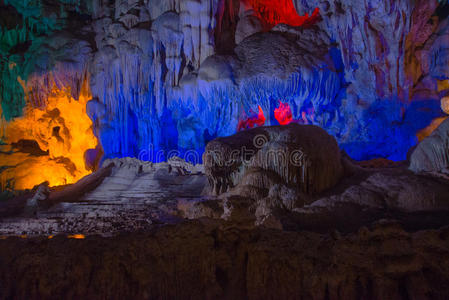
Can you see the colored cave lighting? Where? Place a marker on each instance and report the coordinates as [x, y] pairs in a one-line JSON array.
[[252, 121], [283, 114], [275, 12], [427, 131], [56, 139], [76, 236]]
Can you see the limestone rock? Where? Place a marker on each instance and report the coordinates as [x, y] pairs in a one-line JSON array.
[[124, 195], [211, 260], [432, 154], [282, 53], [439, 52], [388, 190], [300, 156], [247, 25]]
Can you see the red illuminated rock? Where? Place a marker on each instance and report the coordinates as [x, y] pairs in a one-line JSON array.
[[283, 114], [274, 12], [252, 121]]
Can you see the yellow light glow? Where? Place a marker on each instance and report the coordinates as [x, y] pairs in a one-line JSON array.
[[443, 85], [63, 129], [76, 236]]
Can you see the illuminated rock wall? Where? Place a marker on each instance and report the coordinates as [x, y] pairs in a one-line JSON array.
[[160, 89], [169, 76], [362, 91], [46, 133], [389, 94], [62, 133]]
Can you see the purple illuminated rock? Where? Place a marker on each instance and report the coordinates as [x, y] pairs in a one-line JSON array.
[[247, 25]]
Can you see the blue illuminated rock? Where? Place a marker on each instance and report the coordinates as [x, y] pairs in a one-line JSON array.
[[439, 53], [165, 85]]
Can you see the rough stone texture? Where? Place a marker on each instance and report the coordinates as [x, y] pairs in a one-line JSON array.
[[389, 189], [266, 53], [416, 55], [126, 195], [138, 66], [207, 260], [363, 32], [376, 65], [375, 40], [129, 195], [432, 154], [364, 194], [247, 25], [141, 54], [61, 62], [439, 52], [301, 156]]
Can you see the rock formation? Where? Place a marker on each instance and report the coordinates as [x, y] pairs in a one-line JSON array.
[[123, 88], [432, 154], [379, 231], [303, 157], [211, 260], [149, 65]]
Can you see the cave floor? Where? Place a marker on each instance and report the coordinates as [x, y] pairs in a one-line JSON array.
[[129, 200], [137, 196]]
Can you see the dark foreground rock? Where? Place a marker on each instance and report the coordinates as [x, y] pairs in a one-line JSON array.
[[216, 260]]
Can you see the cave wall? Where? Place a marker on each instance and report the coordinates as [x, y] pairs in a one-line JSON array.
[[362, 92], [168, 76]]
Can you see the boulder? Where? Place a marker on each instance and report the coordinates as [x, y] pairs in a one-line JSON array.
[[303, 157]]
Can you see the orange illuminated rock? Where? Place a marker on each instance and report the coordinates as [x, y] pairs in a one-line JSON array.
[[60, 134], [77, 236], [425, 132]]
